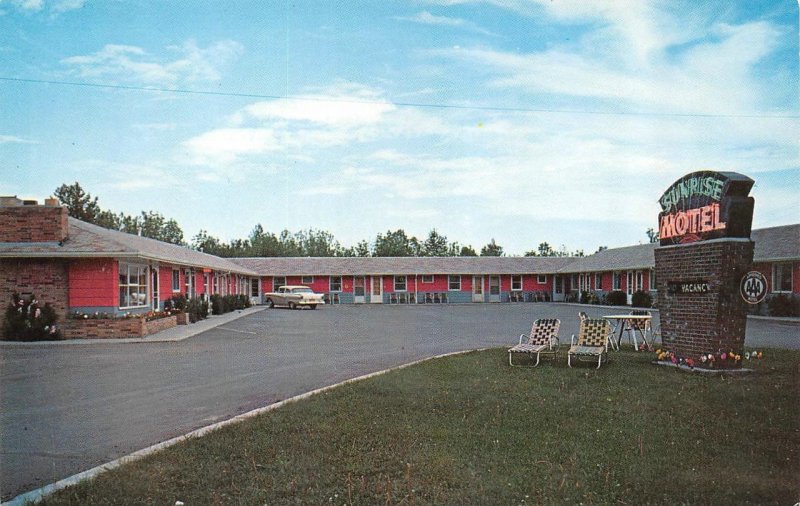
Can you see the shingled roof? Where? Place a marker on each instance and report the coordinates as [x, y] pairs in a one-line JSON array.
[[777, 243], [86, 241], [347, 266], [772, 244]]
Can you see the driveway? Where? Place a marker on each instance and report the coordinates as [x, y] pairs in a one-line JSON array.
[[65, 409]]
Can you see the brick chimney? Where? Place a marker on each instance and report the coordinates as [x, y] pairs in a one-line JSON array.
[[26, 221]]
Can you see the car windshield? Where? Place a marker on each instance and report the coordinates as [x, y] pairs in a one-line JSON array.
[[302, 290]]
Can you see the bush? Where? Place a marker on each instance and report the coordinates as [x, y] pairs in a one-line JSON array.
[[216, 304], [784, 305], [27, 320], [179, 302], [589, 298], [642, 299], [197, 309], [616, 298]]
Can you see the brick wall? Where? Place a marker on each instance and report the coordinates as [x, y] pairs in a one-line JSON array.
[[114, 329], [697, 323], [33, 224], [45, 278]]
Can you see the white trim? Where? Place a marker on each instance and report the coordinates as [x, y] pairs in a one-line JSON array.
[[304, 282], [520, 282], [791, 276], [539, 279], [405, 282], [330, 284]]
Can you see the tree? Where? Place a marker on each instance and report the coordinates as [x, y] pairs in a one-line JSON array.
[[601, 248], [155, 226], [361, 249], [652, 235], [78, 202], [492, 250], [467, 251], [435, 245], [395, 244]]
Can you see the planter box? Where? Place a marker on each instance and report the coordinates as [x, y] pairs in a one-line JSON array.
[[114, 329], [182, 318]]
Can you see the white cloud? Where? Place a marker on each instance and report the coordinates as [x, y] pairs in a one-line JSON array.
[[12, 139], [345, 111], [67, 5], [29, 5], [224, 145], [132, 64], [426, 18]]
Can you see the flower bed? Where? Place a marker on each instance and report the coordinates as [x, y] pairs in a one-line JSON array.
[[115, 328]]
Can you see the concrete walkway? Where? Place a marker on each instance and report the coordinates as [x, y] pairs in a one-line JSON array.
[[177, 333]]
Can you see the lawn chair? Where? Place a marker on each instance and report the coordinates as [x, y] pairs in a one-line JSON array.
[[582, 316], [543, 333], [592, 342]]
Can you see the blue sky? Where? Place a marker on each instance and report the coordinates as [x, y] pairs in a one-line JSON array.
[[523, 121]]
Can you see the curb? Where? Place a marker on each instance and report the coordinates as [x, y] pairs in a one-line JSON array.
[[37, 495]]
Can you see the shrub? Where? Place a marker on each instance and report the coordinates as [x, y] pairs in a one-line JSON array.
[[179, 302], [589, 298], [216, 304], [27, 320], [616, 298], [641, 299], [197, 309], [783, 305]]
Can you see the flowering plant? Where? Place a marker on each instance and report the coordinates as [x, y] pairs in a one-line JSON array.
[[720, 359]]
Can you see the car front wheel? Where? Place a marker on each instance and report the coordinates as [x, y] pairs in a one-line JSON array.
[[270, 303], [312, 306], [292, 305]]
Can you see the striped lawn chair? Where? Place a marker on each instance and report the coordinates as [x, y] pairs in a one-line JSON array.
[[544, 332], [592, 342]]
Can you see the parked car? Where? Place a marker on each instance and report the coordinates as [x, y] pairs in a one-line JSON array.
[[294, 297]]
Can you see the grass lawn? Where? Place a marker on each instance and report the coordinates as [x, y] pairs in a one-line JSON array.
[[469, 429]]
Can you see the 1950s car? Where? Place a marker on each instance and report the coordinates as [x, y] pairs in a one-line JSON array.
[[294, 297]]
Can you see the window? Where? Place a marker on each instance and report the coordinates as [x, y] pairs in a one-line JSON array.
[[615, 285], [652, 280], [541, 279], [782, 277], [598, 281], [307, 280], [132, 285], [427, 278], [254, 287], [454, 282], [176, 280], [639, 281], [278, 282], [336, 283], [399, 283], [516, 283]]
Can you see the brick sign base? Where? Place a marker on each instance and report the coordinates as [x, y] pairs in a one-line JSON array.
[[698, 322]]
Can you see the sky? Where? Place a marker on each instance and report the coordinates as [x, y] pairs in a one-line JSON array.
[[521, 121]]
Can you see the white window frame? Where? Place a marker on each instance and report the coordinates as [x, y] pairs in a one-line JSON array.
[[776, 278], [176, 280], [598, 280], [307, 280], [404, 283], [519, 277], [141, 273], [275, 284], [639, 281], [450, 279], [652, 279], [331, 284], [427, 278], [616, 280], [255, 283], [541, 279]]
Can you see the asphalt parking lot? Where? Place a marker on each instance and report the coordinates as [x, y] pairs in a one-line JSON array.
[[65, 409]]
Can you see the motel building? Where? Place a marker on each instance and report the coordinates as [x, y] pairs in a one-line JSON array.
[[78, 267]]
